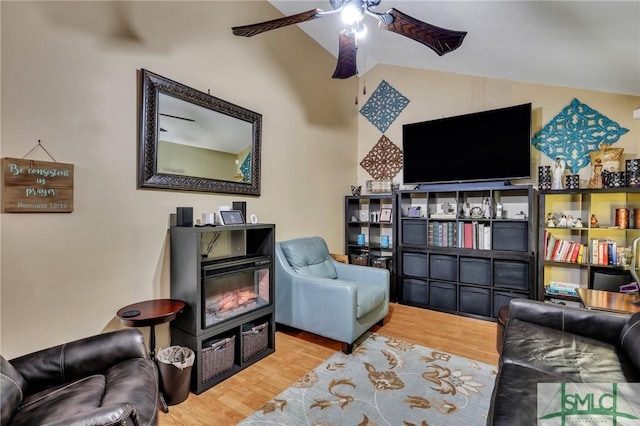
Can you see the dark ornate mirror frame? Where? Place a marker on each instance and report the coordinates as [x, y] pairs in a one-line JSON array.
[[148, 177]]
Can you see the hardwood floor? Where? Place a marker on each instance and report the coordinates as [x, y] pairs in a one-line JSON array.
[[299, 352]]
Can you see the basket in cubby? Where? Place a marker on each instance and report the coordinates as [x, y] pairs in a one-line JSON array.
[[217, 357], [254, 339]]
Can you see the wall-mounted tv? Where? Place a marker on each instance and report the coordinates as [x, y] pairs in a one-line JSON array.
[[490, 145]]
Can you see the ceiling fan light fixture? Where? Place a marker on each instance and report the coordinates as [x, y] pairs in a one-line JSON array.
[[360, 31], [352, 14]]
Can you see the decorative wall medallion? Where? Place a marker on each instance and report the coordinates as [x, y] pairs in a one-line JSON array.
[[575, 132], [384, 106], [384, 161]]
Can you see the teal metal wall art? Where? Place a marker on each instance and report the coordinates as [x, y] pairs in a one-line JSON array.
[[245, 168], [575, 132], [384, 106]]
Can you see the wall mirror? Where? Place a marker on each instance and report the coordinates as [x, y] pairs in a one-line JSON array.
[[192, 141]]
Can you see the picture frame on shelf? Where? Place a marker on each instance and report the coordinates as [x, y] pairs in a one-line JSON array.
[[385, 215], [231, 217]]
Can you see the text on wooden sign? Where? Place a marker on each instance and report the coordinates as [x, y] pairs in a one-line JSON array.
[[31, 186]]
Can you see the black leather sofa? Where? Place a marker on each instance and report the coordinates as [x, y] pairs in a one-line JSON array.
[[551, 343], [107, 379]]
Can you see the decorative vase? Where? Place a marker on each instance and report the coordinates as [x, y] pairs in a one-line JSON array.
[[544, 178], [632, 167], [572, 182]]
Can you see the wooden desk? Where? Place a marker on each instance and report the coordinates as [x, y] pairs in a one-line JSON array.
[[609, 301]]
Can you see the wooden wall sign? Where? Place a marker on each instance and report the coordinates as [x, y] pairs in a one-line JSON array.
[[30, 186]]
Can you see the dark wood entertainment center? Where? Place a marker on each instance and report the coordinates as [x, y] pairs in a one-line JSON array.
[[435, 268]]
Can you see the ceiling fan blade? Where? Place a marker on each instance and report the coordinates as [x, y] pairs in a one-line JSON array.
[[260, 27], [346, 66], [175, 116], [441, 40]]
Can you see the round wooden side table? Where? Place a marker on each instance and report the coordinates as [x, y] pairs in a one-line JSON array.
[[149, 314]]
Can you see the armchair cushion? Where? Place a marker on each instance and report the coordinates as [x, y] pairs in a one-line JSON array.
[[310, 257], [67, 400], [630, 339], [12, 388]]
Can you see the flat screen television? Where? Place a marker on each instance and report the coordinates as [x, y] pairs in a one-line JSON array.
[[492, 145]]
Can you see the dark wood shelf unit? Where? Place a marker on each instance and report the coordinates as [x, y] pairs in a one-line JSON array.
[[436, 269], [372, 229], [249, 249]]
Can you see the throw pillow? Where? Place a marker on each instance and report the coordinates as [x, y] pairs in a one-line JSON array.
[[630, 339]]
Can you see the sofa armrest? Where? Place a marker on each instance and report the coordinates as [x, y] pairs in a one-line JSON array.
[[600, 325], [109, 415], [80, 358]]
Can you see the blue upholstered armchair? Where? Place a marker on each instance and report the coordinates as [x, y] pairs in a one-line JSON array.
[[317, 294]]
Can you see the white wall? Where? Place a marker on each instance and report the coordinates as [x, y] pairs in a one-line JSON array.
[[69, 78]]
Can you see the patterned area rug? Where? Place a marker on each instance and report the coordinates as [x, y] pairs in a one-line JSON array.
[[385, 381]]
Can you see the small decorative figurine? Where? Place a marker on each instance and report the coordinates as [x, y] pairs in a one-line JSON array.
[[486, 209], [578, 223], [594, 221], [558, 171], [563, 221], [571, 221], [476, 212], [466, 209], [550, 221]]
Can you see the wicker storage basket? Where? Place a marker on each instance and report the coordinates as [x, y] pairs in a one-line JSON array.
[[218, 358], [254, 339]]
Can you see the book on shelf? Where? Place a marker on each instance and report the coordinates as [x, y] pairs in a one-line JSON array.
[[442, 234], [472, 235], [468, 235], [442, 216], [560, 250], [562, 288], [487, 237], [605, 252]]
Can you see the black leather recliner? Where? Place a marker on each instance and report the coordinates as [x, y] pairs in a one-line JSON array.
[[107, 379]]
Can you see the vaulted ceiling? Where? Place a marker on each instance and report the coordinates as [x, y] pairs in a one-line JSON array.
[[581, 44]]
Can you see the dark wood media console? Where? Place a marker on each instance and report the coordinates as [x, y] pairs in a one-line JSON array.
[[228, 320]]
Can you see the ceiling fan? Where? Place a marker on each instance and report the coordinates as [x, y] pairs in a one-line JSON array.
[[440, 40]]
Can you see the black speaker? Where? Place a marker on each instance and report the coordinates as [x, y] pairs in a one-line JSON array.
[[184, 216], [242, 206]]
